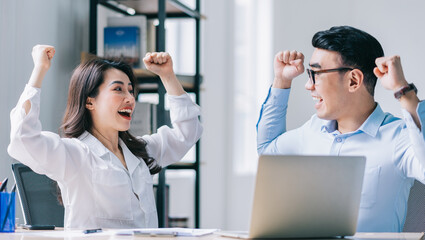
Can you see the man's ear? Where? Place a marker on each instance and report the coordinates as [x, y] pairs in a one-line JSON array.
[[89, 103], [356, 80]]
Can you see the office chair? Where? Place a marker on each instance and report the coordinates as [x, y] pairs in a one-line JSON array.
[[415, 218], [38, 197]]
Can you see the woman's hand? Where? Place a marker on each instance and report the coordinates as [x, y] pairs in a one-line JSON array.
[[161, 64], [42, 56]]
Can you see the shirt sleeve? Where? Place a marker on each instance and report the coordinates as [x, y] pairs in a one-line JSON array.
[[44, 152], [169, 145], [272, 136], [414, 156]]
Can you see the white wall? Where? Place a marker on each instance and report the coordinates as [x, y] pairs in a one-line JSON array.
[[215, 97], [24, 23], [398, 25]]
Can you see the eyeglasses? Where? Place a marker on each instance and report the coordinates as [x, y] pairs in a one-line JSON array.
[[311, 73]]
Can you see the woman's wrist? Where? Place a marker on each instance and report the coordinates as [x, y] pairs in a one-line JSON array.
[[169, 77], [172, 85], [37, 76]]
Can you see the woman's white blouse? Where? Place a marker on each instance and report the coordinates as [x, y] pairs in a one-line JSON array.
[[97, 190]]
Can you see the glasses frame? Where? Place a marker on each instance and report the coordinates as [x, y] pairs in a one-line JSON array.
[[312, 73]]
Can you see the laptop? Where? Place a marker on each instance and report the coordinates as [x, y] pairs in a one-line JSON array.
[[305, 197]]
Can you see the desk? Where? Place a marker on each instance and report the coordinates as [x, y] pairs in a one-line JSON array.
[[21, 234]]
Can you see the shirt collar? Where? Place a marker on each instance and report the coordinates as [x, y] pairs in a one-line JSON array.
[[370, 126], [130, 159], [100, 150], [94, 144], [373, 122], [329, 126]]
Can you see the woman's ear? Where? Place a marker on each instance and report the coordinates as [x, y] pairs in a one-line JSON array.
[[356, 80], [89, 103]]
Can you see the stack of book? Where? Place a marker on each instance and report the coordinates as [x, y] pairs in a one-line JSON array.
[[125, 39]]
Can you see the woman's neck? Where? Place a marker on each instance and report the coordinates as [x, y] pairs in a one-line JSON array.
[[109, 140]]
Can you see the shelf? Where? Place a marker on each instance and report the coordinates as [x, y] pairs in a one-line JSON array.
[[148, 81], [182, 165], [149, 8]]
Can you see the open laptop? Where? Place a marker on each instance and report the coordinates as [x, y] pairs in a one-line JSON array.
[[305, 197]]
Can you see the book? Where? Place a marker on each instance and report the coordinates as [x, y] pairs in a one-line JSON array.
[[151, 28], [143, 119], [138, 21], [122, 44]]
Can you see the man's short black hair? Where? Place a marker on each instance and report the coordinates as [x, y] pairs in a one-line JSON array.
[[357, 48]]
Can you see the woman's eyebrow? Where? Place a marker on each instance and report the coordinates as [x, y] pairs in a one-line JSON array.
[[118, 82]]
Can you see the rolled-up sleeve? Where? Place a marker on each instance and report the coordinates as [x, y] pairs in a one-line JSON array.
[[169, 145], [44, 152]]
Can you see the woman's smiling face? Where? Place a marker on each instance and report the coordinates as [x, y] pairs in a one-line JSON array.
[[113, 107]]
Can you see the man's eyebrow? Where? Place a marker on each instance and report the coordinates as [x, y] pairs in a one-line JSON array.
[[315, 65]]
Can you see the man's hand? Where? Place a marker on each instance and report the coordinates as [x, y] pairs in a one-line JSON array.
[[287, 66], [390, 72], [159, 63], [42, 56]]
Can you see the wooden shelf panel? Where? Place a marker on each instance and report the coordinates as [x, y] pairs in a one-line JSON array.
[[148, 81], [143, 73]]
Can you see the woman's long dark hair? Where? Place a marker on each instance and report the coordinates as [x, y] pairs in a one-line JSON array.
[[85, 82]]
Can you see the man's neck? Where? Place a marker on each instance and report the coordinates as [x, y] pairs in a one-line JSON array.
[[356, 118]]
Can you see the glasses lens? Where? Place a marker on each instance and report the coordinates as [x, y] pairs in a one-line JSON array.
[[311, 75]]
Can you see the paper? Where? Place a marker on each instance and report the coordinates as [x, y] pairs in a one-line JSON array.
[[186, 232], [387, 236], [62, 234]]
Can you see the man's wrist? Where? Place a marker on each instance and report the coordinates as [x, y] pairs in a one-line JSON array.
[[401, 91], [281, 83]]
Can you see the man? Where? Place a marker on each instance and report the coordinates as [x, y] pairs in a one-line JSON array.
[[344, 69]]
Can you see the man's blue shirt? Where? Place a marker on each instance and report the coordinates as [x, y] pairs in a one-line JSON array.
[[394, 150]]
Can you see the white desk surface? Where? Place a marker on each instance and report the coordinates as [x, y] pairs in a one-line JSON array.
[[22, 234]]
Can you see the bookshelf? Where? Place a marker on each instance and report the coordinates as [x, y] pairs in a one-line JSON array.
[[150, 83]]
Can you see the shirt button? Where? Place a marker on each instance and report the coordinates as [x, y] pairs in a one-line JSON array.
[[338, 139]]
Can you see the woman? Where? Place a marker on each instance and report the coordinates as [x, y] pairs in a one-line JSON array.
[[104, 173]]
